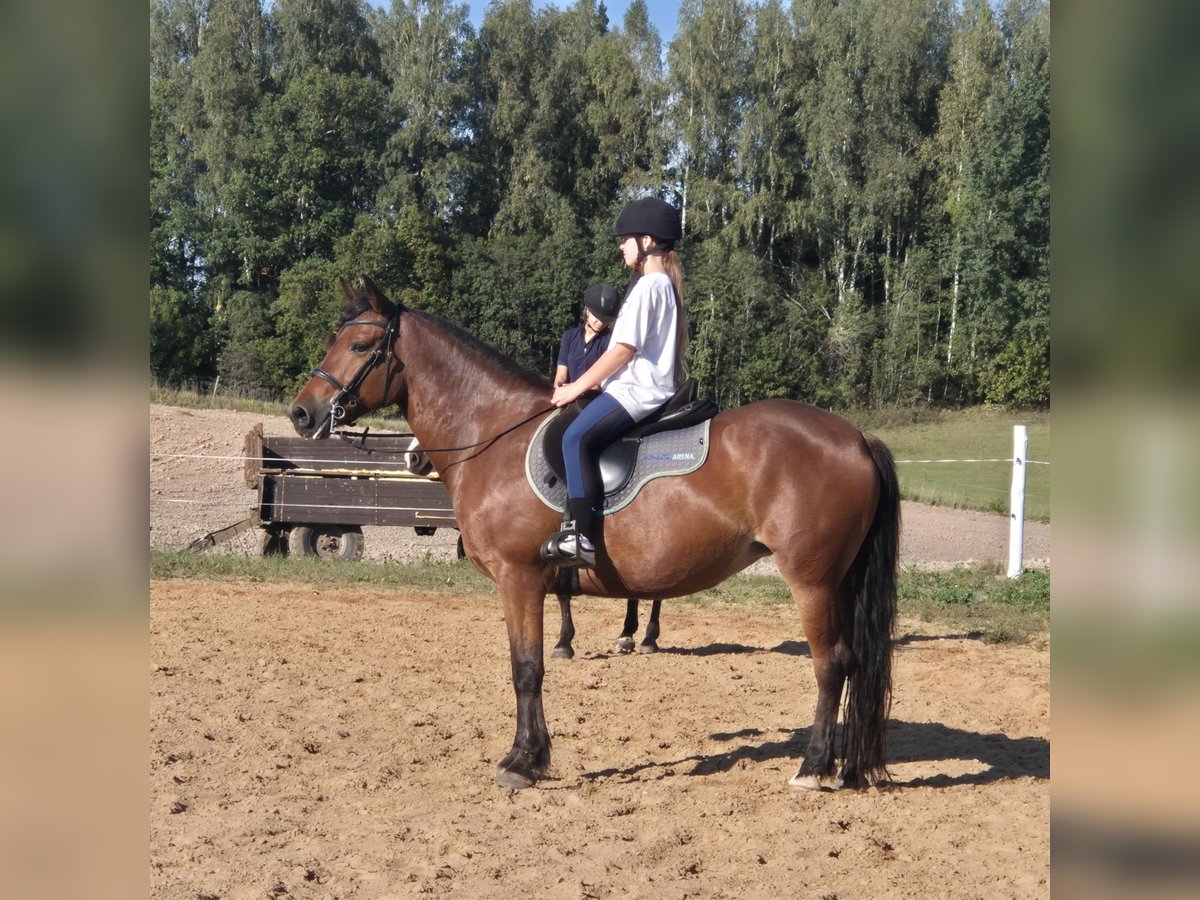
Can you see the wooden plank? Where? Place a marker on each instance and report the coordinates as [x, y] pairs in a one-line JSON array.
[[252, 451], [383, 453], [222, 534], [326, 500]]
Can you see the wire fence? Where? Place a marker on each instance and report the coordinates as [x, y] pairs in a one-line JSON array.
[[400, 465]]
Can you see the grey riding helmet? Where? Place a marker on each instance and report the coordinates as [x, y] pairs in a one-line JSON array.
[[604, 302], [651, 216]]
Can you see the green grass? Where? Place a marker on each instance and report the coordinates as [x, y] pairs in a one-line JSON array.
[[429, 576], [978, 433], [192, 398], [980, 601]]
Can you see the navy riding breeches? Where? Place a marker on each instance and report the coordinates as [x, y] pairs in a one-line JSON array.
[[601, 422]]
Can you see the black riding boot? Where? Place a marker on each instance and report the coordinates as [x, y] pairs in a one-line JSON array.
[[573, 545]]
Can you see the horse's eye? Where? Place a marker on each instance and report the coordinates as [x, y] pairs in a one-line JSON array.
[[360, 347]]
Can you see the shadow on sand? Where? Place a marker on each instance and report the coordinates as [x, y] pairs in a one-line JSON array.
[[1004, 757]]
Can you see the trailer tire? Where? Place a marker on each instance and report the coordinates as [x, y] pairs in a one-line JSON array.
[[272, 543], [341, 542]]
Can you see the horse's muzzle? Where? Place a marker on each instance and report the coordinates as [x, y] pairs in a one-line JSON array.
[[306, 423]]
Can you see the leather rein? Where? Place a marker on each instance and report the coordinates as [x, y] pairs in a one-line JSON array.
[[346, 399]]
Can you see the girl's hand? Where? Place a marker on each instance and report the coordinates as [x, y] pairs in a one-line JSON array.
[[567, 393]]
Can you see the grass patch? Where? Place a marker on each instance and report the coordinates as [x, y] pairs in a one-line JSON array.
[[977, 433], [194, 398], [428, 576], [980, 601]]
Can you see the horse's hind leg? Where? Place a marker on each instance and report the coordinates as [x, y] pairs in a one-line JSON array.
[[832, 664], [566, 633]]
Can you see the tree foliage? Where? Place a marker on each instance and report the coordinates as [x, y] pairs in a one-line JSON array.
[[864, 183]]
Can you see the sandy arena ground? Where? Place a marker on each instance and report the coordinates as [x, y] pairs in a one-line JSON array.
[[340, 743]]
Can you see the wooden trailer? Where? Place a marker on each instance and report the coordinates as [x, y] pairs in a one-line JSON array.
[[315, 496]]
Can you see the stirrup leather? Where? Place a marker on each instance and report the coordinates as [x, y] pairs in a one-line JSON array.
[[566, 549]]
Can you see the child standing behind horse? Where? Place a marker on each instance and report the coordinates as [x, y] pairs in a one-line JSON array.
[[637, 374], [582, 345]]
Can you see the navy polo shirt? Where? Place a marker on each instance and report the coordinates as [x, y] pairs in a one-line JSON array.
[[578, 356]]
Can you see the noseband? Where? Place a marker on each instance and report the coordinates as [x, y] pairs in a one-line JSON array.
[[346, 400]]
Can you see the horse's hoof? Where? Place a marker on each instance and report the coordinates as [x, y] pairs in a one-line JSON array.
[[562, 653], [513, 781], [805, 782], [624, 644], [647, 648]]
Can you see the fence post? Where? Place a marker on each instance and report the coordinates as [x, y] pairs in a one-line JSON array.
[[1016, 521]]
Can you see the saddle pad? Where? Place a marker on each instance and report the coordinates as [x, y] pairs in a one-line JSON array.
[[675, 452]]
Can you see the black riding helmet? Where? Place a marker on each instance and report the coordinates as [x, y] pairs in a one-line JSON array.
[[604, 302], [651, 216]]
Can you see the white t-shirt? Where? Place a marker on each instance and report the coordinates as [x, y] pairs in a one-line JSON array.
[[646, 322]]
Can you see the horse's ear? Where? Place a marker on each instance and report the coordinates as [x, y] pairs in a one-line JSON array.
[[378, 301], [347, 290]]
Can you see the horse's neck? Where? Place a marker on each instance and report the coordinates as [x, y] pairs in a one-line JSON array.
[[458, 395]]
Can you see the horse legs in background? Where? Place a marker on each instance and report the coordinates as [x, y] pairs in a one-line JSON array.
[[566, 634], [650, 641]]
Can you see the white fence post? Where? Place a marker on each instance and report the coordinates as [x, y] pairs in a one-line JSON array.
[[1016, 522]]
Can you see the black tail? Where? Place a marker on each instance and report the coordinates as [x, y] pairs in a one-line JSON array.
[[871, 587]]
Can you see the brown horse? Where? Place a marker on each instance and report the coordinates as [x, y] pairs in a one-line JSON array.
[[782, 478]]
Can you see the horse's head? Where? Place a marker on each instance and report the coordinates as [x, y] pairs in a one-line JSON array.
[[360, 371]]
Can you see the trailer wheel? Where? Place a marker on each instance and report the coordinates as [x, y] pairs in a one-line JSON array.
[[343, 542], [272, 543], [425, 530]]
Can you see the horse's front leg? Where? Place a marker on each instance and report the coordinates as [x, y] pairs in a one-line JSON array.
[[625, 640], [649, 643], [523, 594]]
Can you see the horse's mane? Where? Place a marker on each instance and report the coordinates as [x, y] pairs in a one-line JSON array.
[[359, 305], [505, 363]]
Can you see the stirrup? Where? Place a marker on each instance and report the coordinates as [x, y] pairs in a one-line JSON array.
[[568, 548]]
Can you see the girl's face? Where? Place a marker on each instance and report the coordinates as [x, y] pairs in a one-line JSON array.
[[594, 324], [629, 249]]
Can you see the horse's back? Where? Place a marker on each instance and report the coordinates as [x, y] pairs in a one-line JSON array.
[[779, 433]]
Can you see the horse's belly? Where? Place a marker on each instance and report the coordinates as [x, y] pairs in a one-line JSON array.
[[667, 571]]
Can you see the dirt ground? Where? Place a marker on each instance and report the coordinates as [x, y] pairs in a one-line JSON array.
[[340, 743]]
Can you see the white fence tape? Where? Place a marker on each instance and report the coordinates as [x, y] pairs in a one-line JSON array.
[[1016, 533]]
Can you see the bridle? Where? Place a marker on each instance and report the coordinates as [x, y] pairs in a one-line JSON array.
[[345, 401]]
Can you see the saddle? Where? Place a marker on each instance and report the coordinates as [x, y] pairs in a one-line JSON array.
[[673, 440]]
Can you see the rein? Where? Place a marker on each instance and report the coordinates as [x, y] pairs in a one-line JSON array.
[[385, 349], [349, 436]]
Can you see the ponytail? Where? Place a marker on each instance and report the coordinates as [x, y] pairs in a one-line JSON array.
[[675, 272]]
